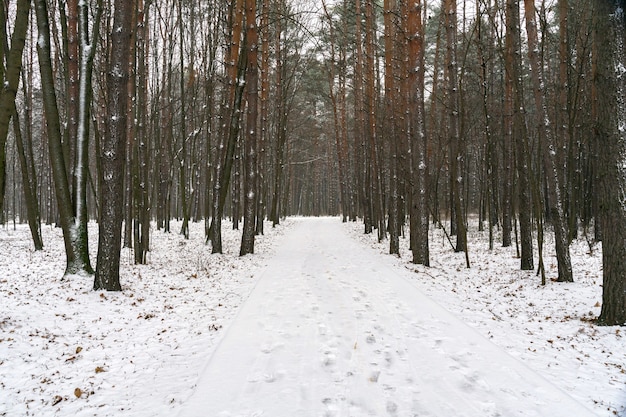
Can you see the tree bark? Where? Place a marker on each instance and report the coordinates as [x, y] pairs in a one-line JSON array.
[[87, 52], [250, 155], [417, 123], [29, 181], [237, 68], [518, 134], [548, 149], [456, 143], [11, 79], [611, 86], [113, 151], [281, 123], [336, 98], [390, 127], [76, 249]]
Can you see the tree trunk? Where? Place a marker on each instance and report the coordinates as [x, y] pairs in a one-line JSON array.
[[11, 79], [611, 86], [263, 127], [226, 151], [182, 154], [390, 128], [457, 153], [87, 52], [29, 181], [518, 133], [281, 126], [337, 119], [76, 249], [113, 151], [141, 203], [71, 42], [417, 123], [548, 149], [250, 155]]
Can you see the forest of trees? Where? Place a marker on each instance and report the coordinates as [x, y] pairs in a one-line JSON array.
[[407, 114]]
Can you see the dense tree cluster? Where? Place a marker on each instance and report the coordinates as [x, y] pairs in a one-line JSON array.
[[486, 111], [507, 113]]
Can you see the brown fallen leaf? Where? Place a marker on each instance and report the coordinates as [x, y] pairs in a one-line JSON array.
[[100, 369], [78, 392], [57, 399]]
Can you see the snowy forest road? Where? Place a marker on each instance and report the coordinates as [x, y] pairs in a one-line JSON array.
[[332, 329]]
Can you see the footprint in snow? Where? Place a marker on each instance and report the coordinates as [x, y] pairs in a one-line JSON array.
[[374, 376], [392, 408]]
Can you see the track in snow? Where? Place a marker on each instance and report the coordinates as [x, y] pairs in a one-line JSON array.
[[332, 330]]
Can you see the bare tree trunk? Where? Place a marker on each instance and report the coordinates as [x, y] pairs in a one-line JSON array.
[[419, 194], [548, 148], [491, 155], [337, 120], [113, 151], [76, 249], [70, 25], [263, 128], [87, 51], [141, 206], [250, 189], [509, 140], [11, 79], [182, 152], [29, 181], [223, 168], [376, 203], [281, 124], [611, 86], [519, 132], [390, 127], [360, 120], [456, 157]]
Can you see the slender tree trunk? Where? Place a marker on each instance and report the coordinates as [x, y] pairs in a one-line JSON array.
[[419, 194], [390, 127], [611, 86], [372, 170], [70, 24], [519, 132], [29, 183], [87, 52], [490, 154], [264, 122], [457, 163], [281, 126], [141, 206], [250, 189], [338, 128], [11, 79], [510, 134], [548, 148], [76, 249], [131, 165], [360, 143], [229, 138], [113, 151], [182, 155]]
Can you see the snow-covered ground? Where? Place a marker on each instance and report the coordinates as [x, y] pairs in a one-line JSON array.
[[68, 351], [550, 328]]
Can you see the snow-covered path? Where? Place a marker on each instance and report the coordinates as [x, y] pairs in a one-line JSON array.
[[332, 329]]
